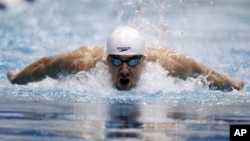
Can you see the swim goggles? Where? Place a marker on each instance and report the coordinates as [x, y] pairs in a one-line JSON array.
[[133, 61]]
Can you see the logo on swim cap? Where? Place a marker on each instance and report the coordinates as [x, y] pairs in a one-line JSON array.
[[123, 48], [125, 41]]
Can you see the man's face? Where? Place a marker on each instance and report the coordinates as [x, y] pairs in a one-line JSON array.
[[125, 70]]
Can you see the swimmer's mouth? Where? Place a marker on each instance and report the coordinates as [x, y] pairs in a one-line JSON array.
[[124, 81]]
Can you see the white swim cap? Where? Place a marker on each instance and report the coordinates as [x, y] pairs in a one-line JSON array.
[[125, 41]]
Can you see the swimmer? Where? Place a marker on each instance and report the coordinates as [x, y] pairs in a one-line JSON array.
[[125, 56]]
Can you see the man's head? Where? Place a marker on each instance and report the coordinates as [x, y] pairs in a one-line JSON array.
[[125, 57]]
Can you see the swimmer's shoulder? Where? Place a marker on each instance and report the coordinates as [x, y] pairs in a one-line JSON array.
[[155, 53], [97, 53], [91, 49]]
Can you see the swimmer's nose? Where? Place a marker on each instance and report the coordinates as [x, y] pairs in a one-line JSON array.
[[124, 70]]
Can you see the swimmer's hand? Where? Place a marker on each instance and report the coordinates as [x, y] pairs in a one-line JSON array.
[[238, 84], [11, 75], [226, 86]]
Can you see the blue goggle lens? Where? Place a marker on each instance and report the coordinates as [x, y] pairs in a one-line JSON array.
[[131, 62]]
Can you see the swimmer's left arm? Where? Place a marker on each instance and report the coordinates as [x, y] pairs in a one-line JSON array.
[[220, 81], [182, 67]]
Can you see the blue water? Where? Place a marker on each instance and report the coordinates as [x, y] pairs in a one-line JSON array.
[[87, 107]]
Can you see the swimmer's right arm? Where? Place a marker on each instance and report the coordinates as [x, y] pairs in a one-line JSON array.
[[81, 59]]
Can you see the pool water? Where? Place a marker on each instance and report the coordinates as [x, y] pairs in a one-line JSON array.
[[87, 107]]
